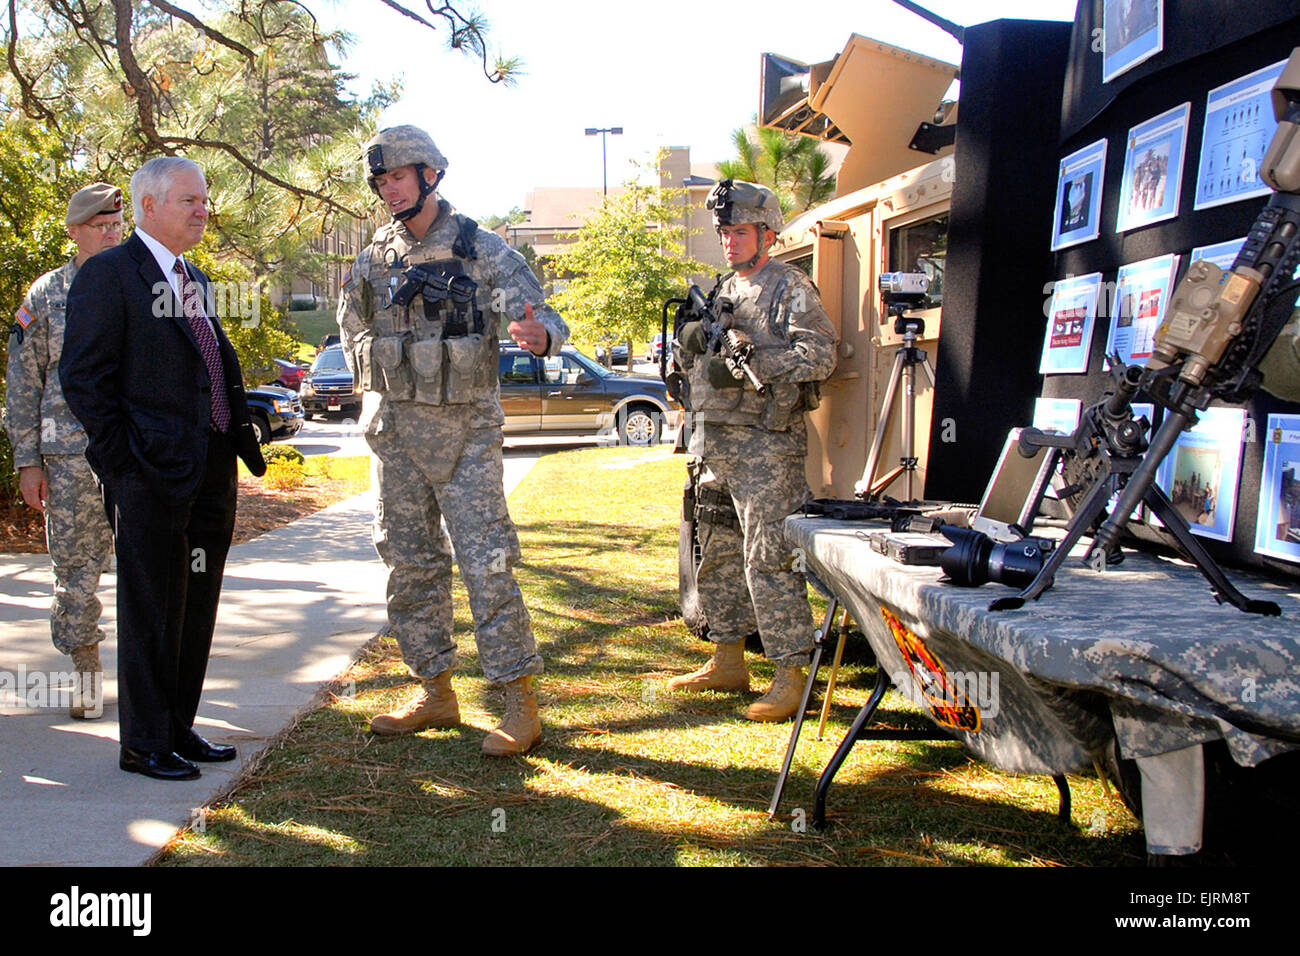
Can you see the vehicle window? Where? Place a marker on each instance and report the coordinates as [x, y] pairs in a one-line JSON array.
[[517, 369], [561, 370], [594, 369], [921, 247], [329, 360]]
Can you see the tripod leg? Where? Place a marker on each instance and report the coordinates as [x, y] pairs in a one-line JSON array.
[[819, 646], [835, 673], [878, 439], [908, 460], [1223, 589], [842, 752], [929, 369], [1083, 519]]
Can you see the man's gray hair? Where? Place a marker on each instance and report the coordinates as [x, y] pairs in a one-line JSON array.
[[153, 178]]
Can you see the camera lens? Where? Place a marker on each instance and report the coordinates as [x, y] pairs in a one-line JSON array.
[[975, 559]]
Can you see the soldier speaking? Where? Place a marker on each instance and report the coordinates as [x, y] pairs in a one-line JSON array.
[[750, 446], [419, 317], [50, 445]]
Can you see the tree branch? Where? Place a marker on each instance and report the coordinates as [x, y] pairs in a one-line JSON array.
[[32, 104], [166, 142], [203, 28]]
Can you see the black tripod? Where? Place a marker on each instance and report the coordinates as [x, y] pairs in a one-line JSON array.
[[906, 360]]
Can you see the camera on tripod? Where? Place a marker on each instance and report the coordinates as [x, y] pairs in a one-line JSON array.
[[904, 292]]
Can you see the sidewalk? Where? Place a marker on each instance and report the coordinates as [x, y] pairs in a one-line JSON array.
[[297, 605]]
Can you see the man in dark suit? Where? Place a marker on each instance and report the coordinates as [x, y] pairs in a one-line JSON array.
[[149, 372]]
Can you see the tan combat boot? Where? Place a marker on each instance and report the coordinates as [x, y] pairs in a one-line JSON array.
[[87, 702], [782, 698], [434, 706], [521, 728], [726, 670]]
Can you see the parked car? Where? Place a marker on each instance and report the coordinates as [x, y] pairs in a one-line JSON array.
[[570, 392], [291, 374], [328, 386], [655, 349], [276, 412], [327, 342]]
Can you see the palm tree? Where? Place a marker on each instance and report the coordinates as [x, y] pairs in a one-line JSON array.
[[792, 165]]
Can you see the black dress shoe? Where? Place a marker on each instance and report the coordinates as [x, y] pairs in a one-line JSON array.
[[195, 747], [159, 764]]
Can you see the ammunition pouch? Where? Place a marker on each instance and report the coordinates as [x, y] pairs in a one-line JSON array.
[[426, 364], [464, 355], [782, 405], [389, 373], [715, 508]]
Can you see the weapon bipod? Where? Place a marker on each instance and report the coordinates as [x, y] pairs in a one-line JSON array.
[[1121, 447]]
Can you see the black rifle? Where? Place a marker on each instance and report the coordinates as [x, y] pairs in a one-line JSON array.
[[716, 316]]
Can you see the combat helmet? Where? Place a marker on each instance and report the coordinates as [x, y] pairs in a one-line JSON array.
[[734, 202], [399, 146]]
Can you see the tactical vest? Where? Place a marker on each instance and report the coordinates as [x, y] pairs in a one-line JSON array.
[[783, 403], [424, 347]]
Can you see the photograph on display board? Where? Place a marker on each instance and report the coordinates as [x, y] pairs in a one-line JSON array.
[[1222, 254], [1277, 527], [1078, 196], [1132, 31], [1153, 169], [1239, 125], [1057, 414], [1141, 293], [1072, 312], [1201, 473]]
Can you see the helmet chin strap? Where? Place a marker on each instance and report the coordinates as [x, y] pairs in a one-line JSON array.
[[426, 189]]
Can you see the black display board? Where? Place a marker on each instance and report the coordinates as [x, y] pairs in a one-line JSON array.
[[1006, 153], [1207, 43]]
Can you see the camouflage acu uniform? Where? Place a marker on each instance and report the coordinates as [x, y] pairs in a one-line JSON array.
[[45, 434], [437, 435], [751, 452]]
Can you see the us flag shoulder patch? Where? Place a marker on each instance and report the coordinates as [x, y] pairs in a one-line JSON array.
[[24, 317], [347, 277]]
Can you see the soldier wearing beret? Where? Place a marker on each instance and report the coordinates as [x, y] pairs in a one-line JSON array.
[[420, 316], [49, 447]]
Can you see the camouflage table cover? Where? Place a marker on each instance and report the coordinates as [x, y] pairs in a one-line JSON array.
[[1142, 655]]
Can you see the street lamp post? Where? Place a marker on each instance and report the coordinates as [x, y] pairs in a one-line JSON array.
[[604, 162]]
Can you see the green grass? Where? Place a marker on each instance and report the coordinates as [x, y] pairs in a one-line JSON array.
[[628, 773], [311, 327]]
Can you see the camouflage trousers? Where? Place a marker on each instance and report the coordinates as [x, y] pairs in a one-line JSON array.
[[81, 545], [434, 467], [746, 579]]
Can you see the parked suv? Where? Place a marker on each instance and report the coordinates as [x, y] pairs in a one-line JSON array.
[[275, 412], [570, 392], [328, 387]]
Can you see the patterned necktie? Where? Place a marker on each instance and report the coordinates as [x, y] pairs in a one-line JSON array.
[[207, 340]]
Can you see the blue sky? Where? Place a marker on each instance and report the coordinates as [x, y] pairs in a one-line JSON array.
[[671, 73]]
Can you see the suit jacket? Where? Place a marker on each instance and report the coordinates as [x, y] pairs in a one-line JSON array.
[[133, 374]]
